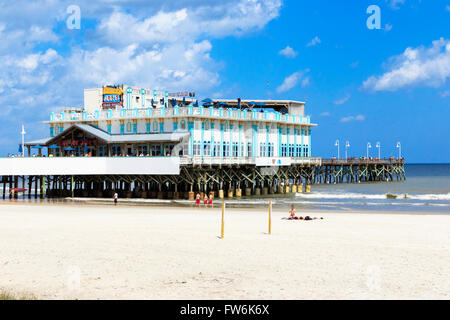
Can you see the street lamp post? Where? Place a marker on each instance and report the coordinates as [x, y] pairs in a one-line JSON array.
[[369, 146], [378, 145], [23, 141], [399, 147], [347, 145], [337, 145]]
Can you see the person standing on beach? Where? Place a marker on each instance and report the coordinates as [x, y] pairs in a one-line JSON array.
[[197, 200], [116, 197]]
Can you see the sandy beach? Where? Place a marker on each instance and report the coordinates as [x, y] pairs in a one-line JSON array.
[[125, 252]]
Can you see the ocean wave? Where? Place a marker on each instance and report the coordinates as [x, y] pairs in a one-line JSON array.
[[404, 196], [435, 196]]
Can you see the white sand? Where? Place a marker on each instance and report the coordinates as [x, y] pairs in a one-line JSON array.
[[88, 252]]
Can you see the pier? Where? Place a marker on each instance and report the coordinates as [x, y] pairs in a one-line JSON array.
[[182, 177]]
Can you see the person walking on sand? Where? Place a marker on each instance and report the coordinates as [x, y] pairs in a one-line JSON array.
[[116, 197], [205, 200]]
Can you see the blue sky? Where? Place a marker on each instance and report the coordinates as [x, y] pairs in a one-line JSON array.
[[360, 85]]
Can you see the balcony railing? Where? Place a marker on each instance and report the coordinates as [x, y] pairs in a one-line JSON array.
[[145, 113], [205, 160]]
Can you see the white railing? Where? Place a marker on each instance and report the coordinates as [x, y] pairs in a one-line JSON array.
[[144, 113], [205, 160]]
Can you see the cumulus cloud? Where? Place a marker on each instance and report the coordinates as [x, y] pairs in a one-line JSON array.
[[416, 66], [358, 117], [157, 44], [314, 42], [292, 81], [288, 52]]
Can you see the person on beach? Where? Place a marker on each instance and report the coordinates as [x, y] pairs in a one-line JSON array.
[[292, 213], [197, 200], [205, 200], [211, 197], [116, 197], [292, 216]]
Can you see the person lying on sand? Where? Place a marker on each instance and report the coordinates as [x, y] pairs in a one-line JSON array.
[[292, 216]]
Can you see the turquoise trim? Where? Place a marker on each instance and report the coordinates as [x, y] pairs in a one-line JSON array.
[[240, 142], [254, 140], [221, 140], [309, 149], [108, 128], [161, 127], [280, 132], [212, 138], [267, 141], [202, 139], [175, 126], [191, 130]]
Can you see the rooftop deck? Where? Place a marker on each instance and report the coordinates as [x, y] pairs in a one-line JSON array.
[[189, 111]]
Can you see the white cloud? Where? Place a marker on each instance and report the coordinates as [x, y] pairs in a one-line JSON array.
[[288, 52], [358, 117], [447, 8], [343, 100], [354, 64], [394, 4], [314, 42], [388, 27], [419, 66], [292, 80], [445, 94], [325, 114]]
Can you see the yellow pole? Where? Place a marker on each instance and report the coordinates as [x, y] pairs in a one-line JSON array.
[[223, 226], [270, 216]]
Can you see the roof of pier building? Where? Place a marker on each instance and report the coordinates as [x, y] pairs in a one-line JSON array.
[[111, 138]]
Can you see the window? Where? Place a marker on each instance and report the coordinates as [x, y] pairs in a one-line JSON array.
[[183, 125], [168, 150], [134, 127], [102, 151], [235, 149], [207, 148], [216, 149], [298, 151], [197, 146], [128, 126], [291, 150], [262, 149], [116, 149], [284, 150], [156, 150], [147, 127], [122, 128], [249, 149], [226, 149], [108, 128], [143, 148], [270, 149]]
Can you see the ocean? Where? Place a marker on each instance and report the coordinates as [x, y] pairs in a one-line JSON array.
[[427, 189]]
